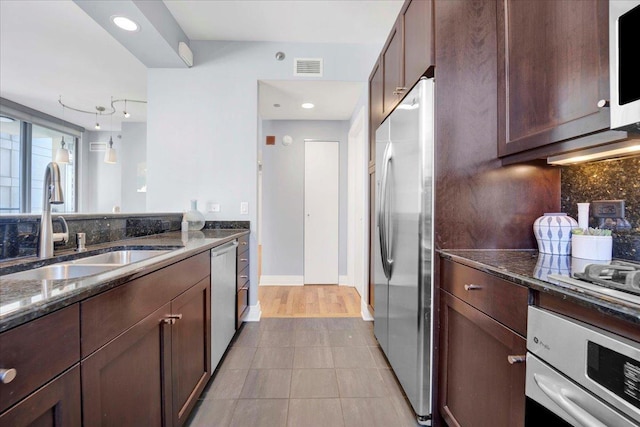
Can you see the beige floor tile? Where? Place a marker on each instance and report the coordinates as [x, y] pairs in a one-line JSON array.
[[314, 383], [226, 384], [391, 383], [360, 383], [267, 383], [312, 357], [311, 324], [238, 358], [277, 324], [341, 323], [369, 412], [346, 338], [273, 357], [407, 418], [212, 413], [352, 357], [270, 338], [260, 413], [315, 413], [378, 357], [247, 337], [311, 338]]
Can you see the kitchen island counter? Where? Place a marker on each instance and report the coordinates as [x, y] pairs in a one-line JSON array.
[[25, 300]]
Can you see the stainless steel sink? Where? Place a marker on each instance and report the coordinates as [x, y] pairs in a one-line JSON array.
[[59, 272], [84, 267], [119, 258]]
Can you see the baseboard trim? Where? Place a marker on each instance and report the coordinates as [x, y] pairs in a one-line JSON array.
[[365, 313], [281, 280], [254, 313], [344, 281]]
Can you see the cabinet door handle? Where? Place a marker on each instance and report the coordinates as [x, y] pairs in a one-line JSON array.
[[513, 359], [472, 287], [244, 277], [401, 88], [168, 321], [243, 260], [244, 243], [7, 375], [603, 103]]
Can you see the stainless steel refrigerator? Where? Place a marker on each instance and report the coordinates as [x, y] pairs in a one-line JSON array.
[[403, 244]]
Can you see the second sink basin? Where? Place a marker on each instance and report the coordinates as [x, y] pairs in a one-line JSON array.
[[123, 257], [59, 272]]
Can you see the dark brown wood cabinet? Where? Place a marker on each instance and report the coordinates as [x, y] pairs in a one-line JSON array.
[[154, 370], [190, 348], [128, 381], [376, 113], [392, 64], [553, 68], [242, 281], [418, 40], [57, 404], [478, 384]]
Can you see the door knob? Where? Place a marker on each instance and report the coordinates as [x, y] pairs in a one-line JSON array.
[[7, 375]]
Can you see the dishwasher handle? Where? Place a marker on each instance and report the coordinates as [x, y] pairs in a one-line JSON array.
[[223, 249]]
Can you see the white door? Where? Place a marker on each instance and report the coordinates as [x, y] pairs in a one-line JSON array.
[[321, 173]]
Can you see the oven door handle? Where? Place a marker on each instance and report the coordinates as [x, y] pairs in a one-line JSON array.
[[558, 395]]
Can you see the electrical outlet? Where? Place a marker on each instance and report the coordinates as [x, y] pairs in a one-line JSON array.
[[244, 208], [608, 208]]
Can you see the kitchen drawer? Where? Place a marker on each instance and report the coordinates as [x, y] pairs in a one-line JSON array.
[[243, 261], [242, 280], [38, 351], [242, 304], [56, 404], [107, 315], [243, 243], [504, 301]]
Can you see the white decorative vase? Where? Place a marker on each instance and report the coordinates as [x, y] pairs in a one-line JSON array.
[[553, 233], [194, 217]]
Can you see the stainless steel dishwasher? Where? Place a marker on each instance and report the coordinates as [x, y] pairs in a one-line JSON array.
[[223, 299]]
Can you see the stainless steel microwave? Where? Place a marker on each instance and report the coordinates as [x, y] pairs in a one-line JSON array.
[[624, 53]]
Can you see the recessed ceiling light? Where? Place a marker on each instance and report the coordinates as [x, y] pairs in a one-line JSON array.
[[307, 105], [5, 119], [125, 23], [276, 105]]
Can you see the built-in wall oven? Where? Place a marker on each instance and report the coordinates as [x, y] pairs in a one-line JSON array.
[[579, 375]]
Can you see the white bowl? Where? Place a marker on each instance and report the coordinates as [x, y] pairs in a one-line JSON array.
[[591, 247]]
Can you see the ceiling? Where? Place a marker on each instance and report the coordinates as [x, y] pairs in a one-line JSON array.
[[54, 48]]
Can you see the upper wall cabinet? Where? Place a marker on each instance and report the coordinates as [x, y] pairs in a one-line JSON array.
[[553, 68], [407, 55]]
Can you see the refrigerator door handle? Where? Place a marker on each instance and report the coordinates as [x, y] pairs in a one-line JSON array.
[[384, 212]]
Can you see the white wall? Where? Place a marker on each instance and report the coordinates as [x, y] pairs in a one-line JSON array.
[[133, 152], [101, 182], [283, 194], [203, 126]]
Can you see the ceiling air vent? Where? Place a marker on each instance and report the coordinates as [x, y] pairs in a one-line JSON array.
[[307, 67]]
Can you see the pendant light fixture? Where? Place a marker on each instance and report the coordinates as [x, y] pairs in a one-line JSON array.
[[62, 154], [110, 154], [97, 124], [126, 115]]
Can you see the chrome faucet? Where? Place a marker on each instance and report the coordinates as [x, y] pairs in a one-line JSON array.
[[51, 195]]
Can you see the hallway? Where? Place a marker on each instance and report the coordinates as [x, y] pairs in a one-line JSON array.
[[304, 372]]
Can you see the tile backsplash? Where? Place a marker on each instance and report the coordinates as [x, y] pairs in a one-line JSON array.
[[606, 180]]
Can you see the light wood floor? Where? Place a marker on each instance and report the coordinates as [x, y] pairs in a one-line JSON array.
[[309, 301]]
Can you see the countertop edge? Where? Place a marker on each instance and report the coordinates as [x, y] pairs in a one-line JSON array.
[[117, 277]]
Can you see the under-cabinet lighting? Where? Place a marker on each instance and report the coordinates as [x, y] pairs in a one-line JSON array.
[[307, 105], [612, 151]]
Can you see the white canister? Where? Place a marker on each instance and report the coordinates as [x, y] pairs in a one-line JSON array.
[[598, 248], [553, 233]]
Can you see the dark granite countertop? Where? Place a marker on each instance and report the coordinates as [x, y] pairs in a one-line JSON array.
[[24, 300], [530, 269]]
